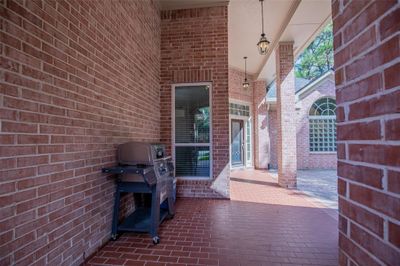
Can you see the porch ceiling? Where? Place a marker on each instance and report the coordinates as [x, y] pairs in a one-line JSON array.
[[244, 29], [285, 20], [306, 22]]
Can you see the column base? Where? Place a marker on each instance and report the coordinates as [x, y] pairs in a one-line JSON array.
[[287, 183]]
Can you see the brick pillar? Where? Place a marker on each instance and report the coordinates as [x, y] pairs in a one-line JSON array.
[[285, 91], [261, 140], [367, 67]]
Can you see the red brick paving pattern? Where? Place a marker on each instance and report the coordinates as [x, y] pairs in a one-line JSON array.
[[262, 224]]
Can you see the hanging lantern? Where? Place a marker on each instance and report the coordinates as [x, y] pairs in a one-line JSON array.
[[246, 84], [263, 44]]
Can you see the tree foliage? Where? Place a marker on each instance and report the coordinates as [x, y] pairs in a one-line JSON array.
[[318, 57]]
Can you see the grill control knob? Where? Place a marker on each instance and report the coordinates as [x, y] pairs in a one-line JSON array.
[[156, 240]]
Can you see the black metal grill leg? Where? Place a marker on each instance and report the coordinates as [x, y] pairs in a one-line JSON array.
[[114, 230], [171, 207], [155, 214]]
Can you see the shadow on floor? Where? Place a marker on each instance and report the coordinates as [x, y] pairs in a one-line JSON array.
[[265, 183], [215, 232], [263, 224]]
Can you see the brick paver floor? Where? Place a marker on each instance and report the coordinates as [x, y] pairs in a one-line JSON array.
[[262, 224]]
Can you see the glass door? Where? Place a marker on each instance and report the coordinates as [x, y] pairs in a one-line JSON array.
[[237, 142], [192, 131], [248, 143]]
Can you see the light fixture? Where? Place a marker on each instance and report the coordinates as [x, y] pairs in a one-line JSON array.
[[246, 84], [263, 44]]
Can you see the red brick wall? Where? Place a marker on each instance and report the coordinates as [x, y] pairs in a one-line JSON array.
[[367, 63], [194, 48], [305, 158], [79, 78], [236, 90], [237, 94]]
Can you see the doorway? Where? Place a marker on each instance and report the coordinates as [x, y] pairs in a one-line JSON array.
[[237, 142]]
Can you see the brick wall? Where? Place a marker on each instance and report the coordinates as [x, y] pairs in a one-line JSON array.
[[194, 48], [367, 63], [238, 94], [78, 78], [306, 159], [236, 90]]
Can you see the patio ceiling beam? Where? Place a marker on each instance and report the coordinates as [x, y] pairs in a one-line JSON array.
[[311, 38], [277, 38]]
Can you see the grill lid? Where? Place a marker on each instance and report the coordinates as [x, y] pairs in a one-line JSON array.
[[140, 153]]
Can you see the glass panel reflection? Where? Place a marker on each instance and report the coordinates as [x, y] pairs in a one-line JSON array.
[[192, 114], [192, 161]]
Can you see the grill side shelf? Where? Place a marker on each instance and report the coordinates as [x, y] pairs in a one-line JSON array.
[[127, 170]]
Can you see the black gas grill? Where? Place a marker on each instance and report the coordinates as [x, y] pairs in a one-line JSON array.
[[145, 171]]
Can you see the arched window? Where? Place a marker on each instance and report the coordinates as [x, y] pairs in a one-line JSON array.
[[322, 117]]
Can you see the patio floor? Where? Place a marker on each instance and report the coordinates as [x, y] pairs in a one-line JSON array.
[[262, 224], [319, 184]]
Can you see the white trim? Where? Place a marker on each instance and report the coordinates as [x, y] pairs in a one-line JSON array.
[[323, 152], [240, 102], [322, 116], [210, 144], [245, 120], [192, 144], [300, 94], [289, 15], [249, 163], [312, 37]]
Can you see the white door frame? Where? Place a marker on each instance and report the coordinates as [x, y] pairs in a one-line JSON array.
[[245, 120]]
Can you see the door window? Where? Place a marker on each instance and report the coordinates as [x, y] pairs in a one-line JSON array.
[[237, 142], [248, 142]]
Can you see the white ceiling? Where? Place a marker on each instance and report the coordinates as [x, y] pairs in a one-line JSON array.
[[307, 21], [284, 20], [244, 29]]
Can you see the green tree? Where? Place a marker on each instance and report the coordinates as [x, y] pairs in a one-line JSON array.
[[318, 57]]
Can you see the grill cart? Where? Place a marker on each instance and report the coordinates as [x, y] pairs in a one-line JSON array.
[[144, 171]]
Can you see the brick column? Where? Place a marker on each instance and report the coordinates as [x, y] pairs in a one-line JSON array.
[[367, 67], [261, 139], [285, 91]]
